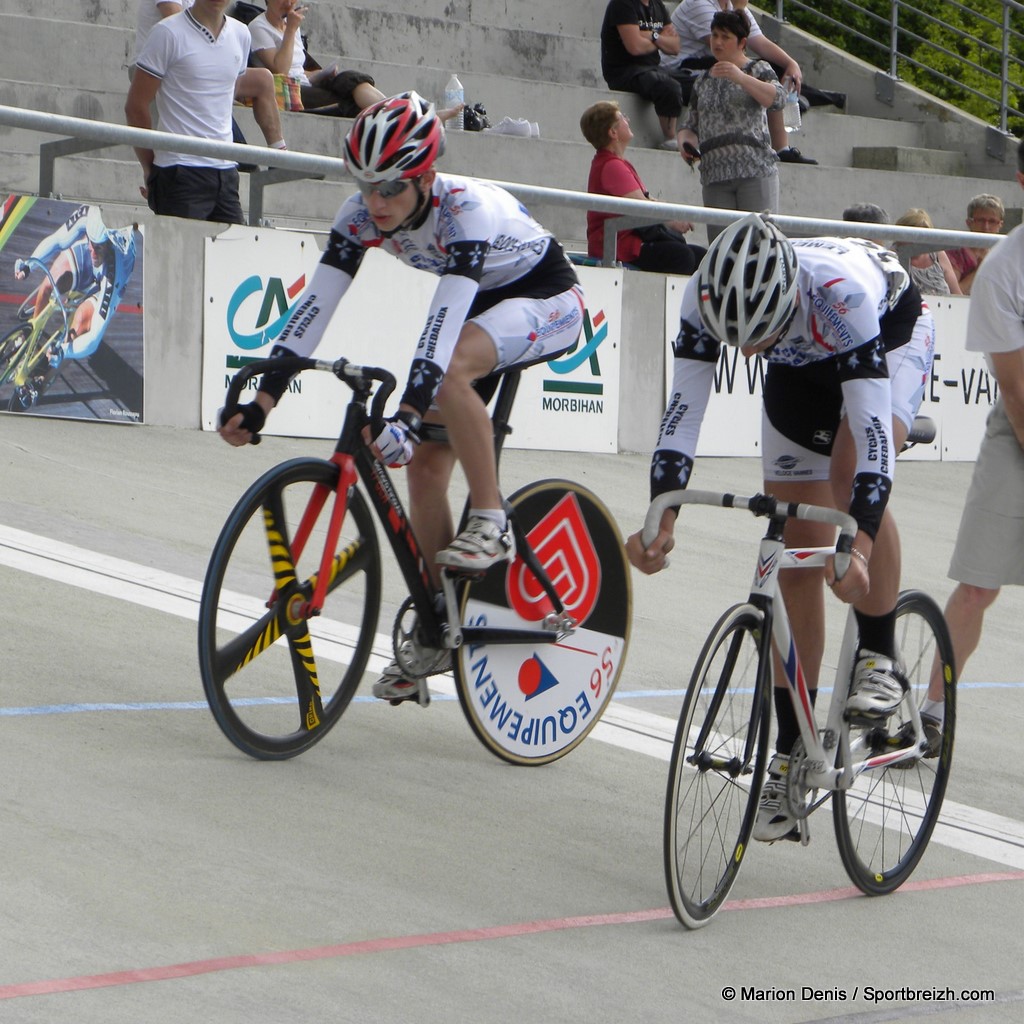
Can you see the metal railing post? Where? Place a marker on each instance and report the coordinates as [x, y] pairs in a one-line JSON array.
[[50, 151]]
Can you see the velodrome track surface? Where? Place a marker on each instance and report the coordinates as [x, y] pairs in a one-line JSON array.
[[398, 871]]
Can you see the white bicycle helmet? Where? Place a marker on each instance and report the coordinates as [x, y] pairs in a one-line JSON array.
[[397, 138], [95, 229], [747, 280]]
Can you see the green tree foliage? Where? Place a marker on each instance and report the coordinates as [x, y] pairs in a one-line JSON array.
[[946, 48]]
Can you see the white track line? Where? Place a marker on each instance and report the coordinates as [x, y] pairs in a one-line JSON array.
[[968, 829]]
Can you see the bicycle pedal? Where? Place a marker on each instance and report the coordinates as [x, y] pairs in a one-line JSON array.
[[865, 719], [420, 693], [469, 575]]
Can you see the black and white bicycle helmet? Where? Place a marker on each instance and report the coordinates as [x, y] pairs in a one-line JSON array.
[[400, 137], [748, 282]]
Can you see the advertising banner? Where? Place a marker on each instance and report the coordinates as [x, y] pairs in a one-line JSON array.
[[71, 322], [254, 276], [571, 403], [957, 398]]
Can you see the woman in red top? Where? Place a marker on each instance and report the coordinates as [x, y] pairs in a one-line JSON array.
[[659, 247]]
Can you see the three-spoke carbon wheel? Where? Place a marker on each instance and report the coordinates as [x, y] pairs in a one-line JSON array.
[[883, 823], [717, 767], [277, 679]]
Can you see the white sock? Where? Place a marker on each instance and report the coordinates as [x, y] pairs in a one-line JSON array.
[[493, 515], [934, 709], [280, 144]]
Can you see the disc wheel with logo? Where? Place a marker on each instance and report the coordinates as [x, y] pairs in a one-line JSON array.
[[532, 703]]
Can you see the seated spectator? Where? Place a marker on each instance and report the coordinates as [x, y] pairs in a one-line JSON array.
[[866, 213], [692, 22], [660, 247], [726, 129], [932, 271], [633, 35], [985, 214], [277, 44]]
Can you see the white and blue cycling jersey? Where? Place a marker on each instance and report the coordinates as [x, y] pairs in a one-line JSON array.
[[103, 284], [856, 303], [483, 245]]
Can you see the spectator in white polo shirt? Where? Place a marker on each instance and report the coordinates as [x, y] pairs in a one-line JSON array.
[[256, 86], [189, 66]]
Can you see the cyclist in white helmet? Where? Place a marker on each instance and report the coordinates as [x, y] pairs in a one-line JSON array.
[[823, 312], [507, 297]]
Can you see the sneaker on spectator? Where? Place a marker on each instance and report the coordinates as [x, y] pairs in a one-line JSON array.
[[774, 819], [877, 688], [511, 126], [480, 545], [670, 144], [792, 155]]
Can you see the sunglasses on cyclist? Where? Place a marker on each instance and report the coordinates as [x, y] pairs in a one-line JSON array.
[[384, 189]]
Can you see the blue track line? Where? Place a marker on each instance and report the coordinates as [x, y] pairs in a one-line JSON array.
[[196, 705]]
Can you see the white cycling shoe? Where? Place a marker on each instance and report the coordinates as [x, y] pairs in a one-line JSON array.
[[774, 819], [480, 545], [878, 686], [395, 684]]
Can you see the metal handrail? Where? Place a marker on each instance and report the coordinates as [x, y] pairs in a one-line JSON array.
[[893, 50], [633, 211]]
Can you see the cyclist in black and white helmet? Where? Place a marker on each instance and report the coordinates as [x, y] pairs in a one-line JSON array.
[[507, 297], [822, 312]]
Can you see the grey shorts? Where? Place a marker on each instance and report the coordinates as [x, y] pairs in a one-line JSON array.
[[989, 548]]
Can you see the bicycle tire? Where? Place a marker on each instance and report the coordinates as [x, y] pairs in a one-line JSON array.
[[259, 660], [710, 807], [11, 352], [521, 700], [883, 823]]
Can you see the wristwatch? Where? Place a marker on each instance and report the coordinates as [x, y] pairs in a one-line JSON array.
[[654, 36]]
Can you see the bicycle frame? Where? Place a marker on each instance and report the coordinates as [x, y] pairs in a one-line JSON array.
[[355, 461], [831, 763], [18, 370]]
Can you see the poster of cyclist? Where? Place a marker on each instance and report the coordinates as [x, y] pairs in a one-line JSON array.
[[71, 334]]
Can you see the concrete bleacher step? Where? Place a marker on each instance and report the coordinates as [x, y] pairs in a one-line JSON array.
[[910, 159], [569, 17], [104, 29], [460, 47], [805, 191]]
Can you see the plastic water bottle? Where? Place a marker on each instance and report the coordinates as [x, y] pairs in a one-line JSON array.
[[454, 95], [791, 111]]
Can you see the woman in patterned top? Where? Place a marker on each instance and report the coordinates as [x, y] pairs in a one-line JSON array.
[[726, 128], [932, 272]]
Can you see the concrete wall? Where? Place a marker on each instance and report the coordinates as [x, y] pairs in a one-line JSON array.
[[174, 298]]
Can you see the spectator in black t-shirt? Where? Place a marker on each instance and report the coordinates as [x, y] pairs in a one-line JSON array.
[[634, 35]]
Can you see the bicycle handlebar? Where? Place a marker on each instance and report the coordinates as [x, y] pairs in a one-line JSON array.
[[359, 378], [28, 263], [759, 505]]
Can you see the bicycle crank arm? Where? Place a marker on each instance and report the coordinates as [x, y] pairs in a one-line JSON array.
[[500, 635]]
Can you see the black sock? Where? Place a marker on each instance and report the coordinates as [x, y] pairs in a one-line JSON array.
[[785, 718], [877, 633]]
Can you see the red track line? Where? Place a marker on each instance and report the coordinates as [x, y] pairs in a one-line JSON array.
[[386, 945]]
